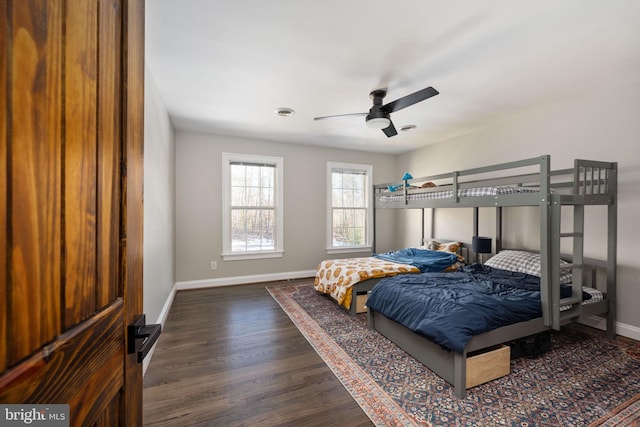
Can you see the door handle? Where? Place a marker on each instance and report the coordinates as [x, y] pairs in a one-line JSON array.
[[141, 337]]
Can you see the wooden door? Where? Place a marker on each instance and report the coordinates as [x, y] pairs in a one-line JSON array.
[[71, 126]]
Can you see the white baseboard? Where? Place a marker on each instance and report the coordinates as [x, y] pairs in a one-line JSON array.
[[243, 280], [622, 329], [162, 318]]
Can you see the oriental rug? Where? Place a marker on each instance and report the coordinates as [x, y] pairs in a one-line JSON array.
[[585, 379]]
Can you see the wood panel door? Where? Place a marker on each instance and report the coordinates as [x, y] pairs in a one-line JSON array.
[[71, 123]]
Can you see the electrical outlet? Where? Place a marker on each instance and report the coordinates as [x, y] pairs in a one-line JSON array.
[[214, 265]]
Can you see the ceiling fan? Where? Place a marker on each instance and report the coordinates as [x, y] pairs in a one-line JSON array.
[[378, 116]]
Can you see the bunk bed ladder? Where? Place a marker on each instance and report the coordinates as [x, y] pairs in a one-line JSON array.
[[577, 264], [593, 180], [556, 317]]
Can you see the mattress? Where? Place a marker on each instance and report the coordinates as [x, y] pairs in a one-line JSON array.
[[466, 192], [450, 308]]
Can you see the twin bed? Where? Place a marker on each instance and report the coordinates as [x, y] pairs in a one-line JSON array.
[[349, 280], [442, 319]]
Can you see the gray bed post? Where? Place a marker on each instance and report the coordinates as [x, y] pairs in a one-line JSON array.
[[422, 225], [545, 240], [373, 243], [553, 262], [432, 232], [476, 228], [460, 374], [612, 245], [498, 229]]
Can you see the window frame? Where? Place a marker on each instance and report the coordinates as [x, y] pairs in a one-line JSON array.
[[368, 194], [227, 251]]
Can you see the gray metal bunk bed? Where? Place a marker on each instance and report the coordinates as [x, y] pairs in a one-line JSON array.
[[503, 185]]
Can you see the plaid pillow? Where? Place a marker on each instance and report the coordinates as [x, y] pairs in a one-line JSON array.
[[524, 262]]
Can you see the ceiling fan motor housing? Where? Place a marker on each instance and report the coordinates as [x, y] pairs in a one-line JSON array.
[[377, 118], [377, 96]]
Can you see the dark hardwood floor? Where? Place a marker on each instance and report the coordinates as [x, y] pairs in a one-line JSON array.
[[230, 356]]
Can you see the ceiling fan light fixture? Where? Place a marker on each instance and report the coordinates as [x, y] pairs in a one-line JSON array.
[[378, 123]]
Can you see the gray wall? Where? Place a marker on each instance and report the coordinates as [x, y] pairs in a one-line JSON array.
[[604, 126], [199, 210], [159, 203]]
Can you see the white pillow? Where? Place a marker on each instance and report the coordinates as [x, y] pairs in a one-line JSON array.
[[524, 262]]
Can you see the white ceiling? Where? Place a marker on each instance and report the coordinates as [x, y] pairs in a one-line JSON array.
[[223, 66]]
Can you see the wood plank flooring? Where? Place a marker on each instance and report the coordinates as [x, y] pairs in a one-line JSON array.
[[230, 356]]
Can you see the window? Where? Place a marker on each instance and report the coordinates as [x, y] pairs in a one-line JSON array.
[[252, 211], [349, 216]]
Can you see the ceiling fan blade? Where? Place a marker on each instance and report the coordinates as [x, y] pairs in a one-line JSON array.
[[408, 100], [390, 130], [340, 115]]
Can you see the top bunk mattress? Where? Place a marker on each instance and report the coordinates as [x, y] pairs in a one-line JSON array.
[[501, 190]]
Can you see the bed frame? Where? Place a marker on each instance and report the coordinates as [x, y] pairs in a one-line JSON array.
[[588, 183], [358, 289]]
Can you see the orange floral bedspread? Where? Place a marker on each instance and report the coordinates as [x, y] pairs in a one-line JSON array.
[[337, 276]]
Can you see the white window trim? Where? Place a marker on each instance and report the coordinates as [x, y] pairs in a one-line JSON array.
[[368, 169], [227, 254]]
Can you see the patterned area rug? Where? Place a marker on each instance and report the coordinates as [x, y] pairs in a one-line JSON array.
[[584, 380]]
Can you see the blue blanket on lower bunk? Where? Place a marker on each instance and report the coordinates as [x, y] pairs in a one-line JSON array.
[[423, 259], [450, 308]]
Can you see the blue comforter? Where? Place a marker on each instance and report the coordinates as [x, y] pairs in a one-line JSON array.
[[450, 308], [423, 259]]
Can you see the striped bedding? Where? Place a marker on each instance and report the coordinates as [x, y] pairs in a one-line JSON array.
[[466, 192]]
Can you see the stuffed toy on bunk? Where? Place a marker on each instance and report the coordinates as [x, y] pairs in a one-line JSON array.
[[407, 176]]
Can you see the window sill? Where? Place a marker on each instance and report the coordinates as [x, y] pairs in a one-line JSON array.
[[239, 256], [349, 249]]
